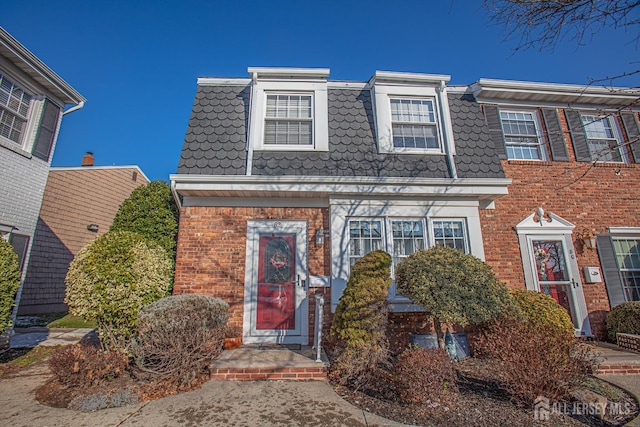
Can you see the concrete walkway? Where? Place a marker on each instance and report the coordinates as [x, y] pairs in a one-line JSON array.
[[216, 403]]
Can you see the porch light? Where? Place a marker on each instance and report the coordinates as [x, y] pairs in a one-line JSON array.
[[588, 239], [319, 237]]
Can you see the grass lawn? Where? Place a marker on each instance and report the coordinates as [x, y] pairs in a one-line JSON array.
[[70, 321]]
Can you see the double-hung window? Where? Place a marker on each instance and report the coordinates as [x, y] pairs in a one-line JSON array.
[[521, 135], [289, 120], [627, 254], [602, 141], [14, 108], [401, 237], [414, 123]]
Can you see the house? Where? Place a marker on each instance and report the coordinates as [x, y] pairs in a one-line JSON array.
[[32, 104], [79, 204], [286, 178]]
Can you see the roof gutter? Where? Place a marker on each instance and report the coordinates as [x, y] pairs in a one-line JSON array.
[[74, 108]]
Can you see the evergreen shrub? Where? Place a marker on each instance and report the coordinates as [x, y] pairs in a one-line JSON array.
[[624, 318], [112, 278], [360, 321], [151, 212], [9, 282]]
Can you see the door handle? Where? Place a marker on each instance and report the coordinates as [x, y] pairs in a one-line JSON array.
[[301, 283]]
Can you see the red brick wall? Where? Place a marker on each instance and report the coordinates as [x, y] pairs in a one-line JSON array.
[[593, 197], [211, 252]]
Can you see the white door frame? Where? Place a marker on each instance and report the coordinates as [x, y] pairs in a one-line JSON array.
[[537, 226], [299, 335]]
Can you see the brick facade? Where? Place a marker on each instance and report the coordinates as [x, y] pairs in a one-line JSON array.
[[211, 252], [591, 196]]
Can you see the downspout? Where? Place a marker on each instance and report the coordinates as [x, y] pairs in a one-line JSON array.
[[74, 108], [176, 197], [252, 114], [447, 143]]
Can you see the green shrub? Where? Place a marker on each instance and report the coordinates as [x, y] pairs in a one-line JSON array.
[[543, 311], [421, 375], [533, 361], [179, 336], [9, 282], [452, 286], [151, 212], [624, 318], [112, 278], [360, 321]]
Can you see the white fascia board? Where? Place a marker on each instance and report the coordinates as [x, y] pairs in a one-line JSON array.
[[481, 188], [624, 230], [410, 78], [553, 92], [222, 81], [289, 73], [347, 85], [22, 56]]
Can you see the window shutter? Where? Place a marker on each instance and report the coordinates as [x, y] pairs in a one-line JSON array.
[[47, 131], [578, 136], [492, 115], [555, 134], [612, 278], [631, 126], [20, 243]]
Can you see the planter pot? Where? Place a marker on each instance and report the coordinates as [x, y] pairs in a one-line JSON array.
[[231, 343]]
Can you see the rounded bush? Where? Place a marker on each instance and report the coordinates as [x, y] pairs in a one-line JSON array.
[[9, 282], [421, 375], [452, 286], [542, 310], [624, 318], [151, 212], [178, 336], [112, 278]]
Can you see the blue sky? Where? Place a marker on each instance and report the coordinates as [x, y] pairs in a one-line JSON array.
[[137, 62]]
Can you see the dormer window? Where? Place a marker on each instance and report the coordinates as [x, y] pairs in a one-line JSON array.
[[289, 109], [289, 120], [414, 123], [412, 113]]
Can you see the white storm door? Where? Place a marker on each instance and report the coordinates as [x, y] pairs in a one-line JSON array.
[[276, 304]]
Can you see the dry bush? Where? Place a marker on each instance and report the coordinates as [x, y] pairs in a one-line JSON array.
[[421, 375], [360, 366], [532, 361], [83, 366], [178, 337]]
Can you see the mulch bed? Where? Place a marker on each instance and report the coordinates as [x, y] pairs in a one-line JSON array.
[[480, 402]]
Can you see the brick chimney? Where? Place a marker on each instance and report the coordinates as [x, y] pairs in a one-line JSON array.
[[87, 159]]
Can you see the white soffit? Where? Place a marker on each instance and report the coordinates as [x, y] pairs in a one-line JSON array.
[[486, 90]]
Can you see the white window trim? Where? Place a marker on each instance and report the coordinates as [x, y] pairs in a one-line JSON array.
[[542, 150], [343, 210], [318, 90], [617, 133], [383, 93]]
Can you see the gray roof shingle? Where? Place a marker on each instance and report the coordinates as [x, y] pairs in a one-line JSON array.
[[216, 140]]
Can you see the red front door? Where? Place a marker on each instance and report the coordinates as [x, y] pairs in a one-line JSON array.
[[276, 304]]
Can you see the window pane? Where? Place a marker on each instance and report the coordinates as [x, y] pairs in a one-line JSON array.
[[627, 253], [288, 120], [550, 262], [450, 233], [365, 236], [520, 135]]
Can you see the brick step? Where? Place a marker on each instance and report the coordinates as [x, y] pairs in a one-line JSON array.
[[619, 369], [270, 373]]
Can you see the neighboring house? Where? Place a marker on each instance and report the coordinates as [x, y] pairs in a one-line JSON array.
[[286, 179], [32, 102], [79, 204]]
